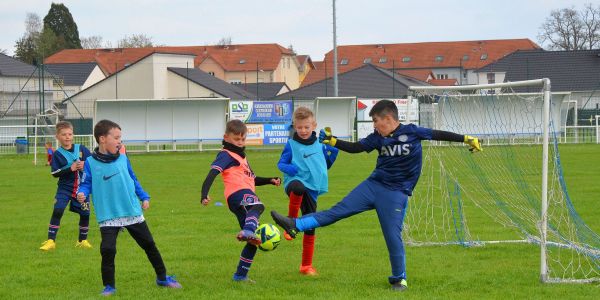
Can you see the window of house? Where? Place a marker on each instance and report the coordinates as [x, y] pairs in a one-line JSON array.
[[382, 60], [406, 59], [211, 73], [242, 61], [367, 60], [439, 58], [465, 58], [344, 61], [491, 77], [235, 81], [58, 82], [442, 76], [484, 56]]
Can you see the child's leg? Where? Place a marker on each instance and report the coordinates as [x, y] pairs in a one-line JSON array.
[[308, 240], [108, 250], [245, 263], [84, 216], [141, 233], [57, 213], [295, 191], [391, 209], [84, 222], [358, 200]]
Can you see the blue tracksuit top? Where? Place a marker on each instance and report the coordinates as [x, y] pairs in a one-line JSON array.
[[115, 188]]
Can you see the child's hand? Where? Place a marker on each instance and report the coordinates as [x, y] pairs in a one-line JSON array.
[[75, 166], [276, 181], [80, 165], [205, 201], [145, 204], [80, 197]]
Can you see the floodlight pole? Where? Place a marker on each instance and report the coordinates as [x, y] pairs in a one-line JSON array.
[[335, 69]]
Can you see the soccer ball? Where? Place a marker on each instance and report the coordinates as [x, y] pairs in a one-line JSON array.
[[269, 237]]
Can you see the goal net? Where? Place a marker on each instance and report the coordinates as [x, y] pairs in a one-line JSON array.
[[513, 191]]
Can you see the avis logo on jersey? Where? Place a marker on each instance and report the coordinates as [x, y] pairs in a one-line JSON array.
[[396, 149]]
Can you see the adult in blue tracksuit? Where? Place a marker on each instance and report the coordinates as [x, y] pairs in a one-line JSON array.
[[117, 194], [387, 189]]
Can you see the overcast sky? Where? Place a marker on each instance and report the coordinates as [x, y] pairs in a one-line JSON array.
[[305, 24]]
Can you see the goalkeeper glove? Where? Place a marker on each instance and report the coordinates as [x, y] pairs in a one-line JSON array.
[[473, 142], [325, 137]]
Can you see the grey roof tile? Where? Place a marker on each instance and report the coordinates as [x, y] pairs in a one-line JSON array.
[[567, 70], [13, 67], [72, 73], [212, 83]]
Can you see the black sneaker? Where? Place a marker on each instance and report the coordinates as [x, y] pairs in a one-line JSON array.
[[400, 286], [288, 224]]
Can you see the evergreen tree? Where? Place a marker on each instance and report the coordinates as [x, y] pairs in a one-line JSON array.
[[61, 22]]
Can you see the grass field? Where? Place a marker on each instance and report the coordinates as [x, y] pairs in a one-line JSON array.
[[198, 244]]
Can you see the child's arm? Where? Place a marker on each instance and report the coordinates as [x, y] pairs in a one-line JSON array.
[[258, 181], [57, 170], [208, 181], [85, 187], [440, 135], [330, 154], [327, 138], [139, 191], [285, 164]]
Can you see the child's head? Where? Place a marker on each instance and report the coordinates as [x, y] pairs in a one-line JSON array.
[[304, 122], [235, 133], [48, 144], [108, 136], [64, 134], [385, 117]]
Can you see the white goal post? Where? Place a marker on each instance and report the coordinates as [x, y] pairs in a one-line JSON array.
[[514, 121]]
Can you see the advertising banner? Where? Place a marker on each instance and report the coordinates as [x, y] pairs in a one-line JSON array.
[[262, 111], [408, 112], [268, 134]]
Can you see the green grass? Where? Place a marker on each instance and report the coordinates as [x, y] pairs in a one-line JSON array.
[[198, 244]]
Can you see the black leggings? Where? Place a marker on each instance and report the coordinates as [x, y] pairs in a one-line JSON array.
[[143, 237]]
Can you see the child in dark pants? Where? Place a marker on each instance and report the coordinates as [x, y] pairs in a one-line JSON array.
[[116, 197], [240, 183]]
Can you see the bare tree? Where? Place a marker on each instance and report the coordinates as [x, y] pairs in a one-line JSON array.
[[92, 42], [568, 29], [33, 24], [225, 41], [135, 41], [591, 25]]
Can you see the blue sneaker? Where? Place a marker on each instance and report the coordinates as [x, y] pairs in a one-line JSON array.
[[248, 236], [245, 279], [108, 291], [170, 282]]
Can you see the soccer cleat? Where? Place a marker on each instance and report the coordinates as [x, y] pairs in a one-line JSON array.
[[400, 286], [108, 291], [244, 279], [248, 236], [170, 282], [288, 224], [84, 244], [308, 271], [48, 245], [287, 236]]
